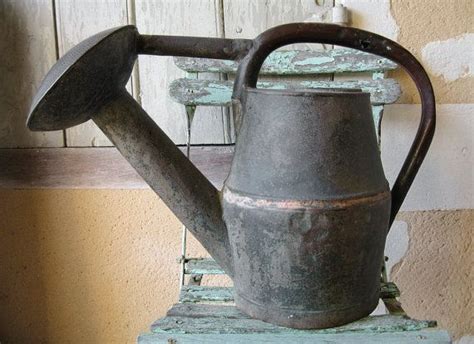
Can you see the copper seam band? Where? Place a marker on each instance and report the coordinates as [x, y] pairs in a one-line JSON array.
[[251, 201]]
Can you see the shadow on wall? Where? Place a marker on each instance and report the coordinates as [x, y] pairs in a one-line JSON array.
[[23, 303], [89, 266], [27, 51], [22, 290], [36, 286]]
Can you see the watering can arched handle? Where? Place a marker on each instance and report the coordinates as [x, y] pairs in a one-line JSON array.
[[279, 36]]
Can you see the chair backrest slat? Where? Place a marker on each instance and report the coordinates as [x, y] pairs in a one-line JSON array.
[[297, 62], [218, 92]]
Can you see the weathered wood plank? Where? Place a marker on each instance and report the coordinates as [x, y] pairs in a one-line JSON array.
[[247, 19], [219, 93], [102, 168], [200, 318], [202, 266], [195, 293], [27, 52], [222, 325], [176, 17], [412, 337], [76, 21], [297, 62], [201, 310]]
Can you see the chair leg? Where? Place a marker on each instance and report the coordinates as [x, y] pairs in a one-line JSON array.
[[190, 111]]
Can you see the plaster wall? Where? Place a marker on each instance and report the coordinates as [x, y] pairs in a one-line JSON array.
[[98, 266], [85, 266], [434, 31], [424, 23]]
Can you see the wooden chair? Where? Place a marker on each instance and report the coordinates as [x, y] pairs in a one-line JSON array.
[[205, 314]]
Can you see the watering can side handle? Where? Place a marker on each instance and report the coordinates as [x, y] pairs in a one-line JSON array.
[[279, 36]]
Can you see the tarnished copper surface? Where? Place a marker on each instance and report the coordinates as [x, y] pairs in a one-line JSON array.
[[246, 201]]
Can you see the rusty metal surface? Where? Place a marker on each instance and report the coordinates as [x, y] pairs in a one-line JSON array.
[[184, 189], [302, 223], [89, 82], [214, 48], [307, 206], [309, 267], [83, 79], [369, 42], [307, 145]]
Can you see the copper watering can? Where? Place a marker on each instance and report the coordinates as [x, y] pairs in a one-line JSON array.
[[301, 222]]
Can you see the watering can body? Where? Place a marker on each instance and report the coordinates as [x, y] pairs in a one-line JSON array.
[[307, 207], [301, 222]]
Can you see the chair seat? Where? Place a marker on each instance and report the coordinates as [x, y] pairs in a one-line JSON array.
[[198, 293], [203, 323], [202, 266]]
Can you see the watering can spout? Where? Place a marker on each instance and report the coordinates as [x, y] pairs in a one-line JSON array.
[[184, 189], [89, 83]]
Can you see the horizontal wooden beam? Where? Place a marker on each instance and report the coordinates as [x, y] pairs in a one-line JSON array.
[[89, 168]]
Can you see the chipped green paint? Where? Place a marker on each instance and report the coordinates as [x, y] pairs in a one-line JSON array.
[[205, 323], [203, 266], [378, 75], [280, 58], [315, 61], [195, 293], [231, 325], [211, 318], [219, 93], [297, 62], [415, 337], [272, 85]]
